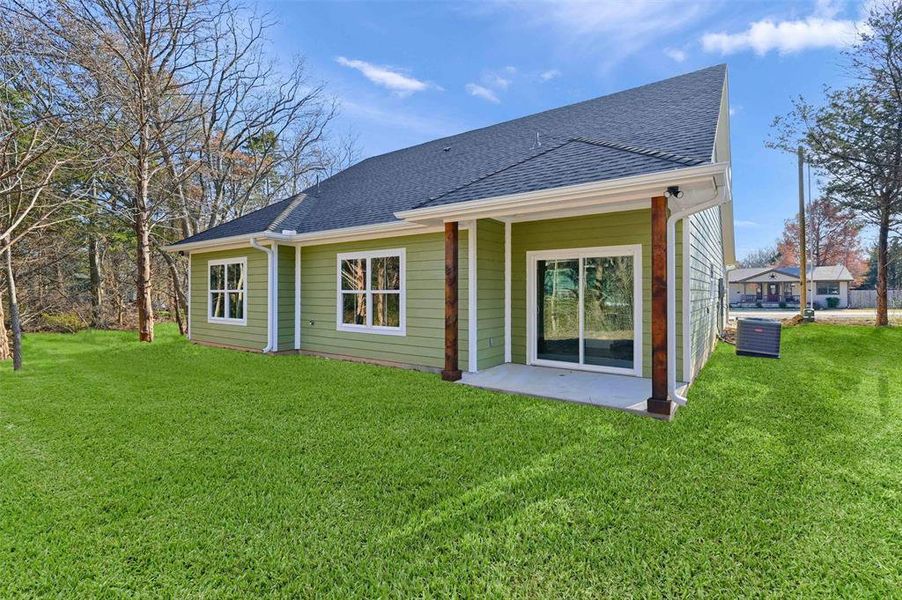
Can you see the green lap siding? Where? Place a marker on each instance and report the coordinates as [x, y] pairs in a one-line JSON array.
[[490, 293], [251, 336], [424, 342], [706, 269], [286, 298], [613, 229]]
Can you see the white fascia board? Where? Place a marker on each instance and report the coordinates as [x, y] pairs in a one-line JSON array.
[[598, 193]]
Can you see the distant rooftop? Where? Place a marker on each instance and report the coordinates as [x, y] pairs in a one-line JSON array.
[[823, 273]]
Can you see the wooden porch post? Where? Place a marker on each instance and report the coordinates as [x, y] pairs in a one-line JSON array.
[[659, 403], [451, 372]]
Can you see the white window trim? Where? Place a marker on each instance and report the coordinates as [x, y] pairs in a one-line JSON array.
[[634, 250], [239, 260], [402, 293], [826, 283]]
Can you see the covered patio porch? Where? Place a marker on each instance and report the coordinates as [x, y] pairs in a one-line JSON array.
[[574, 297], [621, 392]]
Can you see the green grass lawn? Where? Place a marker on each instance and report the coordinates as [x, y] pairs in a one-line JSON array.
[[177, 470]]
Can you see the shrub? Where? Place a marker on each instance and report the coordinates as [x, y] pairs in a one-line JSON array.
[[832, 302], [782, 304], [817, 306], [64, 322], [758, 304]]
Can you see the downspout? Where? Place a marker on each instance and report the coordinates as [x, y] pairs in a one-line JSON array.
[[271, 280], [718, 199]]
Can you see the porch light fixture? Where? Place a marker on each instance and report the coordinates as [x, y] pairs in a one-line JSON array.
[[674, 191]]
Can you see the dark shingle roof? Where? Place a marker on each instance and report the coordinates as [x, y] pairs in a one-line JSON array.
[[670, 124]]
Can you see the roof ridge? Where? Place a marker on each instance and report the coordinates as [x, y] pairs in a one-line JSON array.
[[284, 214], [653, 152], [432, 199]]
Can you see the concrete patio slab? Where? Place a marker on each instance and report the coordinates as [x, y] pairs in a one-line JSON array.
[[621, 392]]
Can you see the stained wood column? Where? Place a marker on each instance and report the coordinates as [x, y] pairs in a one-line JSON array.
[[659, 403], [451, 372]]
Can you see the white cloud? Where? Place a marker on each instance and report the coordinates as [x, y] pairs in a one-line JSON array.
[[785, 37], [675, 54], [612, 31], [745, 224], [549, 74], [496, 81], [387, 77], [483, 92], [735, 110]]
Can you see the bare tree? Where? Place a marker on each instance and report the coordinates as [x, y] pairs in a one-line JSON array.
[[257, 131], [35, 150], [139, 59]]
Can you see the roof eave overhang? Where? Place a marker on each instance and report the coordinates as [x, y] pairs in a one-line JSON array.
[[598, 193], [612, 194]]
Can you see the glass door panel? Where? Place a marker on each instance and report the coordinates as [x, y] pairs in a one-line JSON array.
[[557, 302], [608, 302]]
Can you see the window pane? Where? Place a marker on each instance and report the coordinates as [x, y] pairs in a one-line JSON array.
[[826, 288], [353, 274], [236, 305], [387, 310], [608, 318], [386, 273], [236, 276], [217, 305], [558, 306], [217, 277], [353, 309]]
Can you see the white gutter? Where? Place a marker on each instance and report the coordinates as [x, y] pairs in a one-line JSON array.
[[720, 197], [271, 313], [329, 236]]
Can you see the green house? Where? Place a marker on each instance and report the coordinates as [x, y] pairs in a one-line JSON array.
[[588, 238]]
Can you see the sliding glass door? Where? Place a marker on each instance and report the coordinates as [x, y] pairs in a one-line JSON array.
[[558, 310], [585, 309]]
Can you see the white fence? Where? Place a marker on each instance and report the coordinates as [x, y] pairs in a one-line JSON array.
[[868, 298]]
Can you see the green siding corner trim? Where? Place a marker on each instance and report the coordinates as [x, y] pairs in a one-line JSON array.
[[252, 335], [423, 344], [490, 293], [285, 322]]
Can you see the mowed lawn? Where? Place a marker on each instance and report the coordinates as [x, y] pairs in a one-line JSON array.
[[177, 470]]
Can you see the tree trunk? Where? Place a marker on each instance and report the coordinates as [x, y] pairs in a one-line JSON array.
[[179, 301], [4, 338], [14, 323], [94, 260], [142, 282], [882, 255]]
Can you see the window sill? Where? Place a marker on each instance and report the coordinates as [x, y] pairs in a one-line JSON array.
[[223, 321], [398, 331]]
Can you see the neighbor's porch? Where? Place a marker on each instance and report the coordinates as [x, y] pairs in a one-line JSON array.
[[770, 294]]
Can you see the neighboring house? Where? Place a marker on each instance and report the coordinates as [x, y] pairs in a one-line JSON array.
[[770, 287], [593, 236]]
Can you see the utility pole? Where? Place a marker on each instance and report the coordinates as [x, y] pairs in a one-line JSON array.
[[803, 246]]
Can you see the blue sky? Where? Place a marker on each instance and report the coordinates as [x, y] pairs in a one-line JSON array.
[[407, 72]]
